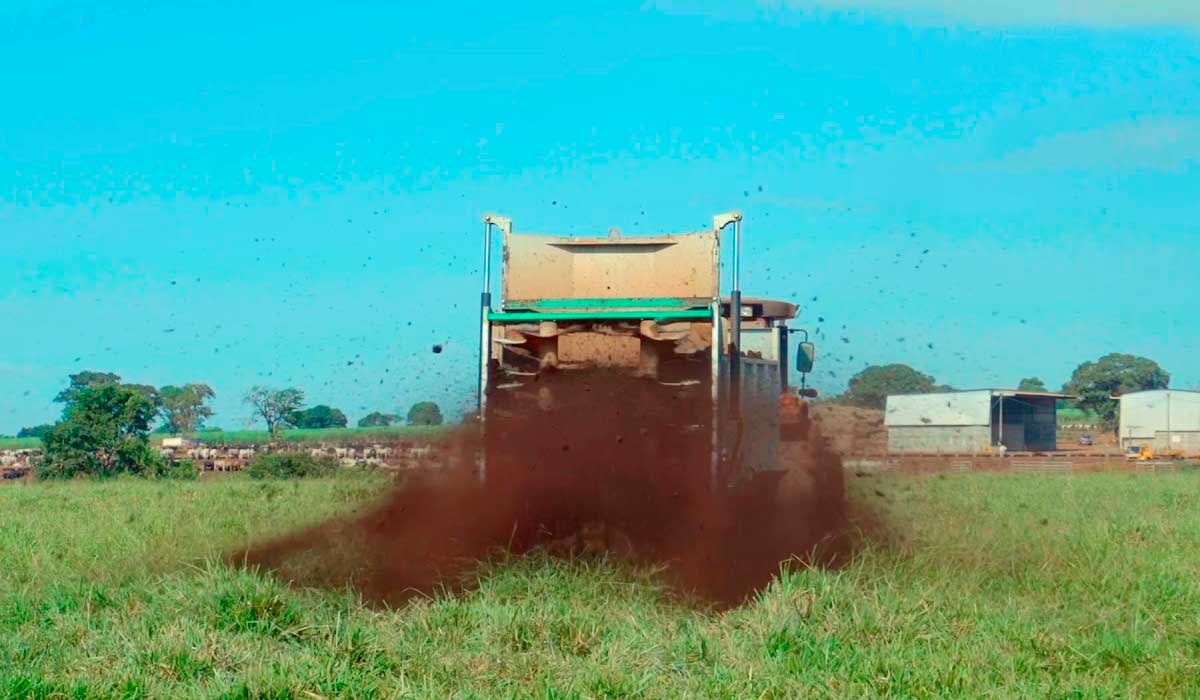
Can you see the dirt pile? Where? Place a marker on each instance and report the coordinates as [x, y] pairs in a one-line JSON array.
[[852, 430], [598, 464]]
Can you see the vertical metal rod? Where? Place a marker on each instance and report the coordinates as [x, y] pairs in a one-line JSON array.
[[1001, 420], [485, 304], [1169, 448], [715, 379], [735, 323], [485, 349], [487, 257], [784, 358], [737, 255], [725, 414]]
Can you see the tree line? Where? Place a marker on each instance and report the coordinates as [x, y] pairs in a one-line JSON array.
[[1094, 384], [184, 409], [282, 408], [105, 425]]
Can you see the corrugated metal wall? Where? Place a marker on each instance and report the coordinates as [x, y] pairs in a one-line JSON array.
[[1145, 413], [952, 408], [939, 439]]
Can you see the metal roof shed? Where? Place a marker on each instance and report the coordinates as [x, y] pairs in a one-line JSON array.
[[1167, 419], [972, 421]]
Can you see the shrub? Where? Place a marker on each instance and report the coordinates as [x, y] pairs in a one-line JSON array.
[[425, 413], [378, 420], [183, 470], [290, 465], [37, 431]]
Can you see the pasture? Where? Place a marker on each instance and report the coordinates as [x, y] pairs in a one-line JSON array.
[[972, 585]]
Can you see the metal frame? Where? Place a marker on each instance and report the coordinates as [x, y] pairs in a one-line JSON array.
[[485, 305], [605, 303], [656, 315], [656, 308]]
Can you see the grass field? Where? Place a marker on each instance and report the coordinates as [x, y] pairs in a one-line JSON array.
[[12, 443], [986, 585]]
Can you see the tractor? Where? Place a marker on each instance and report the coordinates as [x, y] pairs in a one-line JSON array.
[[627, 408], [620, 356]]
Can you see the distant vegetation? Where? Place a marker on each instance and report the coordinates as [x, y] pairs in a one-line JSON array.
[[37, 431], [182, 411], [1032, 384], [871, 387], [317, 417], [262, 437], [379, 420], [104, 432], [184, 408], [1072, 414], [1095, 383], [276, 407], [425, 413], [290, 465]]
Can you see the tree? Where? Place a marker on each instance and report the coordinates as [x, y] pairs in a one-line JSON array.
[[425, 413], [183, 407], [275, 406], [871, 387], [378, 420], [37, 431], [104, 433], [83, 380], [149, 392], [1032, 384], [1095, 383], [89, 379], [320, 416]]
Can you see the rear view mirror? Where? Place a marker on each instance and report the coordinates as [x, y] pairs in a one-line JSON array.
[[806, 355]]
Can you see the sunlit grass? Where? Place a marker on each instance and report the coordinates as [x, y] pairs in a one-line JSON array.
[[985, 585], [13, 443]]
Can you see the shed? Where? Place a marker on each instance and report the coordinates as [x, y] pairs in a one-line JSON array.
[[973, 421], [1166, 419]]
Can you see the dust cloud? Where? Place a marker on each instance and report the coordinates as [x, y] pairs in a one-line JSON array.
[[586, 465]]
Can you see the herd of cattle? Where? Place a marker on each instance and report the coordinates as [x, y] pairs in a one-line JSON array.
[[15, 464], [400, 455]]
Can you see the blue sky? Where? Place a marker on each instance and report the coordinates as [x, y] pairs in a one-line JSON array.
[[286, 193]]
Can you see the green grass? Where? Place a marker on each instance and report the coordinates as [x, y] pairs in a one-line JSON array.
[[12, 443], [988, 585], [1070, 414]]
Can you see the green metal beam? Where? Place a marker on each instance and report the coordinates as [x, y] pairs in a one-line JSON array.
[[656, 314], [606, 303]]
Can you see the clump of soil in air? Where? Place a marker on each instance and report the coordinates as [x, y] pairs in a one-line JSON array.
[[598, 464]]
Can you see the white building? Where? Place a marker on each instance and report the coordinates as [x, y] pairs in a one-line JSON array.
[[1166, 419], [972, 422]]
